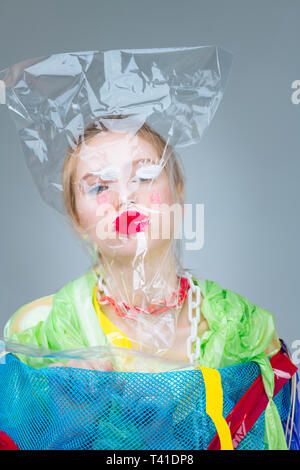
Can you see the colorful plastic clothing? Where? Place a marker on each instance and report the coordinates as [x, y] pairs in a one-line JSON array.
[[238, 332], [100, 132], [74, 408]]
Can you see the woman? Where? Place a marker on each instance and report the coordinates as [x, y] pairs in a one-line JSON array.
[[122, 183], [140, 265]]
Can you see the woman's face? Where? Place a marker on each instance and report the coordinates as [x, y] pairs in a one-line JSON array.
[[123, 195]]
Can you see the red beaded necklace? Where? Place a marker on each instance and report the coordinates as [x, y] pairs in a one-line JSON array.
[[155, 309]]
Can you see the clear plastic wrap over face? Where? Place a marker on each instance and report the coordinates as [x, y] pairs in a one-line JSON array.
[[124, 190], [100, 132]]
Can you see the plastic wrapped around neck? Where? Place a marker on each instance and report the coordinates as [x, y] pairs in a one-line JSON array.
[[100, 133]]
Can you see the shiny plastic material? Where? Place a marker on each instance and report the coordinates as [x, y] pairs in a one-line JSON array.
[[99, 132], [53, 99], [233, 329], [87, 407], [231, 336]]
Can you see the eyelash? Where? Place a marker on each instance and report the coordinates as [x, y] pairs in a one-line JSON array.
[[96, 190], [142, 180], [102, 187]]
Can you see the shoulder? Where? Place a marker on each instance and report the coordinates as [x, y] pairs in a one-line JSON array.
[[246, 324], [83, 284], [30, 314], [234, 306]]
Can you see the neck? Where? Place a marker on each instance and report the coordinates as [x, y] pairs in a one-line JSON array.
[[143, 279]]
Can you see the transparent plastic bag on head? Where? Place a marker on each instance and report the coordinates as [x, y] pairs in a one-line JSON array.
[[100, 133]]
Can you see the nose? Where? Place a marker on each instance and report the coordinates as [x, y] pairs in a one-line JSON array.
[[121, 197], [125, 202]]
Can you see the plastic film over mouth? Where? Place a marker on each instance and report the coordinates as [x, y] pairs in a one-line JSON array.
[[100, 132]]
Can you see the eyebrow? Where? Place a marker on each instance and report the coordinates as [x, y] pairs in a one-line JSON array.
[[134, 162]]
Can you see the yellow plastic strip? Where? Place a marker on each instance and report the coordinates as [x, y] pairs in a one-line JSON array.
[[214, 405], [211, 377], [116, 336]]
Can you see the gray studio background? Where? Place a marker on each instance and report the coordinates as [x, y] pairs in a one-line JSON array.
[[245, 170]]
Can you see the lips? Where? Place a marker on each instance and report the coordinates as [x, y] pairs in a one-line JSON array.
[[131, 222]]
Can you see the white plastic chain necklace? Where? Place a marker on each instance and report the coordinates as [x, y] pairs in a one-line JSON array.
[[194, 320]]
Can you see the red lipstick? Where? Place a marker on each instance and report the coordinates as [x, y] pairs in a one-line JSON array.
[[131, 222]]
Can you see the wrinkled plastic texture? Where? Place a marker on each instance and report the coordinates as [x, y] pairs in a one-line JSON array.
[[63, 400], [77, 408], [99, 131], [238, 331], [107, 357], [292, 422], [52, 99]]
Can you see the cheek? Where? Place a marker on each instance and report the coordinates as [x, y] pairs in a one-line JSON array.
[[102, 198], [155, 197], [87, 210], [161, 193]]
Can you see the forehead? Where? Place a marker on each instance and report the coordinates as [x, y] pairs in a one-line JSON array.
[[120, 149]]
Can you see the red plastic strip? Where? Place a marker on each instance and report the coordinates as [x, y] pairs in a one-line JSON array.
[[246, 412], [6, 443]]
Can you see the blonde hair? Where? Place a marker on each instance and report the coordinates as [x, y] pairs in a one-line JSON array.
[[173, 165]]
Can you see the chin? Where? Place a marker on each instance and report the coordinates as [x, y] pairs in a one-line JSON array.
[[127, 245]]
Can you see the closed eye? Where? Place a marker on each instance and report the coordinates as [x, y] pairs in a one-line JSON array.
[[97, 189], [143, 179], [148, 172]]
